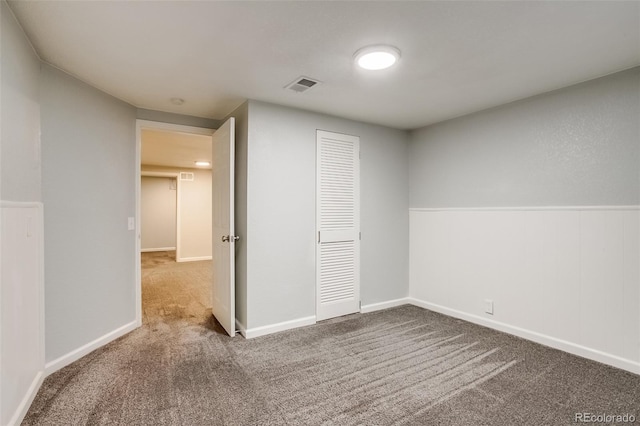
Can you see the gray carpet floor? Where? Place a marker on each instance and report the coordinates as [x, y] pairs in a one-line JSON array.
[[173, 290], [401, 366]]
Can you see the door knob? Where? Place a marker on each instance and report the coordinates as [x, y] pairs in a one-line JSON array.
[[225, 238], [235, 238]]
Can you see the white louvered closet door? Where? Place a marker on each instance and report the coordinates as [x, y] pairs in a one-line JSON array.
[[338, 225]]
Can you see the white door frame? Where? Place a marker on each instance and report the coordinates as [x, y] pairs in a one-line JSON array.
[[176, 176], [152, 125]]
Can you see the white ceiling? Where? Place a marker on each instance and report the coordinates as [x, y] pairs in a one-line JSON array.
[[173, 149], [457, 57]]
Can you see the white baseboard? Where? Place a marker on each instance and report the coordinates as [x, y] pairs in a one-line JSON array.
[[563, 345], [193, 259], [301, 322], [24, 405], [527, 208], [63, 361], [250, 333], [149, 250], [383, 305], [240, 328]]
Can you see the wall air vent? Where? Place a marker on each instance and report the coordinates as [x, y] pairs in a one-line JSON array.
[[302, 84], [186, 176]]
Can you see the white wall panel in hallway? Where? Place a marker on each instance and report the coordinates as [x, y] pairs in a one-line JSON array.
[[338, 216], [21, 309]]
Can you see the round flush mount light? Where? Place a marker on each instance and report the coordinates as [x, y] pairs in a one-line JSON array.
[[177, 101], [377, 57], [203, 163]]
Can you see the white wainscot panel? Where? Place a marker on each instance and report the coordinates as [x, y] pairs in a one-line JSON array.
[[21, 309], [601, 286], [570, 276], [429, 256], [631, 291]]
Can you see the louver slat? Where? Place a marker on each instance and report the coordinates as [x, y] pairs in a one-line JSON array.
[[337, 273], [337, 185]]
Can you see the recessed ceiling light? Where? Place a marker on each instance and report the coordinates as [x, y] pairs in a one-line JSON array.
[[376, 57], [177, 101], [203, 163]]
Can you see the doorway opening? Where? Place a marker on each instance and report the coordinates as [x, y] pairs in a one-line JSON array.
[[173, 213]]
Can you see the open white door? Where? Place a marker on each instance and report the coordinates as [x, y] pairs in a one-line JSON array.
[[224, 279]]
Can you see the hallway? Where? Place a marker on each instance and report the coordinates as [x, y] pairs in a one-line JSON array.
[[172, 290]]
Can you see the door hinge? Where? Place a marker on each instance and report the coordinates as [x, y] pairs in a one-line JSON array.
[[360, 304], [360, 236], [318, 237]]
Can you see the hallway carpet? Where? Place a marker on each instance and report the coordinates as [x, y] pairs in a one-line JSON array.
[[401, 366], [173, 290]]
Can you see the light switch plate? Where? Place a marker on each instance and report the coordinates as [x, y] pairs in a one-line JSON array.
[[131, 223]]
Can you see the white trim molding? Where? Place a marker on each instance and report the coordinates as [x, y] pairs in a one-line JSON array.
[[533, 336], [523, 208], [150, 250], [311, 320], [155, 125], [250, 333], [28, 398], [19, 412], [63, 361], [194, 259], [372, 307], [20, 204], [170, 127], [240, 328]]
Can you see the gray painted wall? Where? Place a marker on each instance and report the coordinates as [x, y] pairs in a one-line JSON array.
[[241, 114], [20, 133], [88, 171], [158, 208], [185, 120], [195, 211], [281, 212], [577, 146]]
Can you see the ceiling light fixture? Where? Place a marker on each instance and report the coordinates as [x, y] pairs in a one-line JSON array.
[[376, 57], [177, 101], [203, 163]]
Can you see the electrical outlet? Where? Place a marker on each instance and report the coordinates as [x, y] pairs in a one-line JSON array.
[[488, 306]]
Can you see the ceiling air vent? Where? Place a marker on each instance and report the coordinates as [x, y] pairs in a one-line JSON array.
[[302, 84], [186, 176]]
